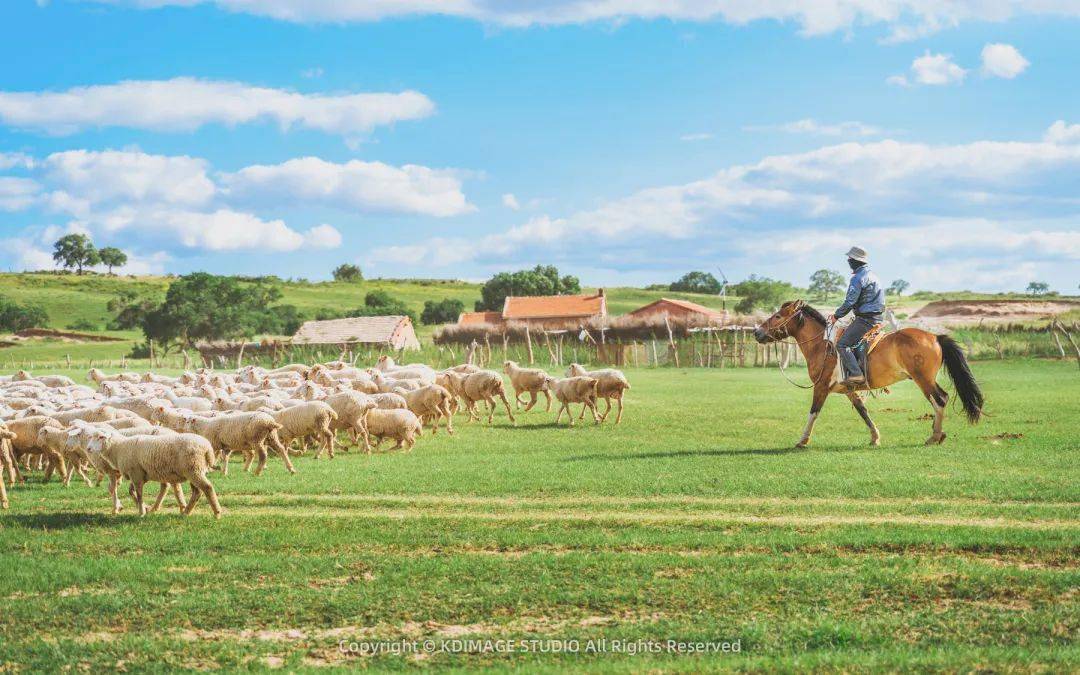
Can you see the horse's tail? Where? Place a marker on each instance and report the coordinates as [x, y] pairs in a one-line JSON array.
[[960, 373]]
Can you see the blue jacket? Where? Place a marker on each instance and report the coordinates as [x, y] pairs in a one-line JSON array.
[[865, 294]]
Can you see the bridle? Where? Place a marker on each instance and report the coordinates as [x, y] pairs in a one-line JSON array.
[[821, 372]]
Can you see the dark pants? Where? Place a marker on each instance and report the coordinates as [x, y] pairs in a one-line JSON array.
[[850, 338]]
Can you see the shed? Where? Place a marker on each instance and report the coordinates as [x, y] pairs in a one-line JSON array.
[[479, 318], [555, 311], [682, 311], [395, 332]]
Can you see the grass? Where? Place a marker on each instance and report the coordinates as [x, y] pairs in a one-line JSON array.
[[693, 520]]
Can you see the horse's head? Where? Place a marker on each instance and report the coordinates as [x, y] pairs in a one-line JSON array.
[[782, 324]]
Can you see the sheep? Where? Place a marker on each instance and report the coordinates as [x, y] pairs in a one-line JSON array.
[[144, 407], [248, 433], [47, 380], [352, 410], [611, 385], [389, 384], [465, 368], [7, 461], [26, 443], [196, 404], [532, 381], [170, 460], [389, 401], [386, 364], [311, 418], [99, 377], [100, 414], [401, 425], [575, 390], [484, 385], [56, 439], [431, 402]]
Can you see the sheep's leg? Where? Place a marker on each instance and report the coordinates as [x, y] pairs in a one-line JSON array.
[[226, 455], [137, 493], [86, 479], [517, 398], [507, 405], [547, 395], [69, 473], [114, 484], [160, 498], [178, 492], [607, 411], [284, 452], [562, 407], [449, 418], [260, 451], [532, 401], [211, 496], [618, 416], [596, 413], [196, 491], [3, 494]]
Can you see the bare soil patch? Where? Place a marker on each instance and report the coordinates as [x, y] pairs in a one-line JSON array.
[[970, 311]]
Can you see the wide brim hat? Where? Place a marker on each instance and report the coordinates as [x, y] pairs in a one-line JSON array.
[[856, 253]]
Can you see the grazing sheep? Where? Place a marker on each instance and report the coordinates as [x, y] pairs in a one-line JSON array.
[[484, 385], [170, 460], [311, 418], [431, 403], [531, 381], [575, 390], [26, 444], [352, 410], [401, 425], [611, 385]]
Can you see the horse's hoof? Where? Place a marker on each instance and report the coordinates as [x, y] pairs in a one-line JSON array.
[[800, 445], [942, 439], [875, 443]]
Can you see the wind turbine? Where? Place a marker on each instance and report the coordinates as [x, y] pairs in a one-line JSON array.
[[723, 289]]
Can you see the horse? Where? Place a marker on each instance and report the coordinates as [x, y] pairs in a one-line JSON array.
[[907, 353]]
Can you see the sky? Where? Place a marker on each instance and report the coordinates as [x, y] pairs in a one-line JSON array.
[[625, 141]]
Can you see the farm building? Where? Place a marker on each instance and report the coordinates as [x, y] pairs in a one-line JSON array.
[[681, 311], [395, 332], [549, 312]]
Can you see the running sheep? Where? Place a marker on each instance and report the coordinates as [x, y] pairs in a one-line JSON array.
[[400, 425], [531, 381], [611, 384], [575, 390]]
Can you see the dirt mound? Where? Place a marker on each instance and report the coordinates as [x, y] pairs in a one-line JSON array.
[[60, 335], [995, 310]]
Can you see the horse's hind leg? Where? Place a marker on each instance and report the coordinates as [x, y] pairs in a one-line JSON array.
[[860, 407], [938, 398]]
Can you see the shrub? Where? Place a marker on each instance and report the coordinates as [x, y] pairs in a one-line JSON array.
[[697, 282], [443, 311], [83, 324], [15, 317], [348, 273], [541, 280]]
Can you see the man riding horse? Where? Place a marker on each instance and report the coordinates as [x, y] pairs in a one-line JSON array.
[[866, 298]]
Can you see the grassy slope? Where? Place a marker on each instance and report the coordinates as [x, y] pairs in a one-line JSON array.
[[692, 520]]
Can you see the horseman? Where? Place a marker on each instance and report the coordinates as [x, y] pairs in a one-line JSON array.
[[867, 298]]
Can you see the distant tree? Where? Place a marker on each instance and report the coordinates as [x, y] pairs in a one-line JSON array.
[[129, 310], [541, 280], [282, 320], [112, 257], [898, 287], [761, 293], [15, 317], [381, 303], [824, 283], [443, 311], [697, 282], [75, 251], [348, 273], [1038, 288]]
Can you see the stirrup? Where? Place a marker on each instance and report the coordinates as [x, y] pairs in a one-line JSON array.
[[854, 381]]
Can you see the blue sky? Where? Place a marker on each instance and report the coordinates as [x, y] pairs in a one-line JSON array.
[[625, 142]]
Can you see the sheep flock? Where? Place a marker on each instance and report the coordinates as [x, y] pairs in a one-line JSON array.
[[154, 429]]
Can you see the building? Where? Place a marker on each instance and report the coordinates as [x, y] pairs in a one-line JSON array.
[[680, 311], [545, 312], [391, 332]]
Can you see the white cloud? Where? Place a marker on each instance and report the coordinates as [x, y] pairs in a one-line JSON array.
[[696, 137], [185, 104], [898, 81], [936, 69], [18, 194], [1002, 60], [908, 199], [1060, 132], [908, 19], [125, 176], [511, 202], [15, 160], [354, 185], [815, 128], [312, 73]]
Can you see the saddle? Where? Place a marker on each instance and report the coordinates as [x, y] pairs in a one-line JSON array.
[[861, 350]]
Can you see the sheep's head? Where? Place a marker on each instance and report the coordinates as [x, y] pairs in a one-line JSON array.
[[575, 370]]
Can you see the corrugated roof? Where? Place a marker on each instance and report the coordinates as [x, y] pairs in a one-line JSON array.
[[475, 318], [364, 329], [685, 304], [553, 306]]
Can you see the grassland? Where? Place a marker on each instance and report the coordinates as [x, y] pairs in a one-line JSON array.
[[694, 520]]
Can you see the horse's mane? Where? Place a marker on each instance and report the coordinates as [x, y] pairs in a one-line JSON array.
[[814, 314]]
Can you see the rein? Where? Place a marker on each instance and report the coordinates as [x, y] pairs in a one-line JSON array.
[[821, 371]]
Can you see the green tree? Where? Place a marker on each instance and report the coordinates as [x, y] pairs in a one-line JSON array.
[[443, 311], [381, 303], [1038, 288], [15, 317], [541, 280], [205, 307], [761, 293], [898, 287], [129, 310], [824, 283], [348, 273], [75, 251], [111, 257], [697, 282], [282, 320]]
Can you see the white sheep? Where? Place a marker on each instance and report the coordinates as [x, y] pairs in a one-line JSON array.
[[7, 462], [611, 384], [308, 419], [484, 385], [352, 410], [431, 403], [55, 439], [401, 425], [531, 381], [575, 390], [246, 433], [26, 444]]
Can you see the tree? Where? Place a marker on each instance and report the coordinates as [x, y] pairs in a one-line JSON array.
[[898, 287], [15, 317], [381, 303], [761, 292], [697, 282], [348, 273], [823, 283], [203, 306], [130, 310], [541, 280], [443, 311], [112, 257], [1038, 288], [75, 250]]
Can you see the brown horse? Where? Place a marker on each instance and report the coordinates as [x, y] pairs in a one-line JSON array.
[[907, 353]]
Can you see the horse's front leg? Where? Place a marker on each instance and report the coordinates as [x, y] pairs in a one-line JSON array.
[[821, 392], [875, 437]]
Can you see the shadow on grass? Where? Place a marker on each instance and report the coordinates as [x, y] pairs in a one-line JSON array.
[[65, 521], [714, 452]]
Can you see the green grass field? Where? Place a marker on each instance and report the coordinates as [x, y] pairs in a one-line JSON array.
[[693, 520]]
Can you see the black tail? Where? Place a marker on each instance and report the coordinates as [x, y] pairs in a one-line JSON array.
[[960, 374]]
